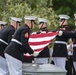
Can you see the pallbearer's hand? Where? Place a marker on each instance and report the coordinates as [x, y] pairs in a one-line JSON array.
[[60, 33], [35, 54]]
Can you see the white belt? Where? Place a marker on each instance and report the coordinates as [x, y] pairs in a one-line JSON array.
[[4, 41], [74, 45], [62, 42], [16, 41]]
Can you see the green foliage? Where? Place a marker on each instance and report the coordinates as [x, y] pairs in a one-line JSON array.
[[21, 8], [17, 10], [48, 9], [65, 7]]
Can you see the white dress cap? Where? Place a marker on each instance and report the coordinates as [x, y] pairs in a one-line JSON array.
[[75, 16], [16, 19], [30, 17], [42, 20], [64, 17], [3, 23]]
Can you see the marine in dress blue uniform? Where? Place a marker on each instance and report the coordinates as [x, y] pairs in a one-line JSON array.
[[44, 55], [60, 48], [2, 25], [5, 38], [18, 46]]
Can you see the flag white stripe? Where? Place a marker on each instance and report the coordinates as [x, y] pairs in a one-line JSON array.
[[39, 46], [40, 40]]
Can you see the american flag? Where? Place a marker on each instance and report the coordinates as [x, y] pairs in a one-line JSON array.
[[38, 42]]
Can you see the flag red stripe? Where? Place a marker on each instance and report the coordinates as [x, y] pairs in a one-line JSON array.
[[43, 35], [39, 43], [40, 49]]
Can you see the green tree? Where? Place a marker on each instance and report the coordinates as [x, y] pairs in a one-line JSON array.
[[21, 8], [67, 7]]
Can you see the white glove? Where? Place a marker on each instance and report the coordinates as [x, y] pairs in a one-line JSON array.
[[60, 33], [35, 54]]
